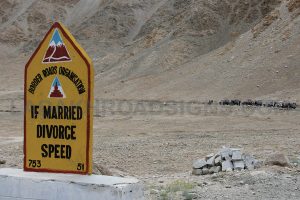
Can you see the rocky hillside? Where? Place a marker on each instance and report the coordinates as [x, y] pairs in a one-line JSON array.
[[166, 49]]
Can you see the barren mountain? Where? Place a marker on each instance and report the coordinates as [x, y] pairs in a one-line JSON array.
[[165, 49], [160, 50]]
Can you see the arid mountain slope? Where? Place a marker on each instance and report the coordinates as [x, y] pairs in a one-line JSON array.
[[166, 49]]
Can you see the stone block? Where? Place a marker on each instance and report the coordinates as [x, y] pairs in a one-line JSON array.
[[211, 161], [226, 165], [238, 165], [225, 153], [199, 164], [218, 160], [215, 169], [17, 184], [249, 161], [209, 156], [236, 155], [205, 171]]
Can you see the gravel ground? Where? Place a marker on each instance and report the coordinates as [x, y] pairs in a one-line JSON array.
[[159, 148]]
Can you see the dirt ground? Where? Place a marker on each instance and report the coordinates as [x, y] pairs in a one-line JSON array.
[[157, 143]]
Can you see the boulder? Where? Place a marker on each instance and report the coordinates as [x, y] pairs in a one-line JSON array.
[[199, 164], [205, 171]]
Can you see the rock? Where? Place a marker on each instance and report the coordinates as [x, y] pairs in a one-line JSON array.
[[249, 161], [211, 162], [218, 169], [2, 162], [295, 164], [236, 155], [215, 169], [211, 170], [197, 172], [199, 164], [226, 165], [278, 159], [226, 153], [205, 171], [209, 156], [218, 160], [238, 165]]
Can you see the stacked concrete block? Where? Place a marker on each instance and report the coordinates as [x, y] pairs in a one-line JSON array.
[[218, 160], [238, 165], [236, 155], [226, 160], [227, 166], [250, 162], [199, 164], [211, 162]]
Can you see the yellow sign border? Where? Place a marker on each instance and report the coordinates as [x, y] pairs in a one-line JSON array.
[[90, 103]]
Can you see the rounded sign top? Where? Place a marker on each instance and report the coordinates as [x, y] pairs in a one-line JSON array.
[[58, 99]]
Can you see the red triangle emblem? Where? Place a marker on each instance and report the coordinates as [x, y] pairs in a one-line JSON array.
[[56, 90], [57, 51]]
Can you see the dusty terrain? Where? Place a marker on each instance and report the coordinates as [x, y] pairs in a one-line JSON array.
[[156, 62], [158, 143]]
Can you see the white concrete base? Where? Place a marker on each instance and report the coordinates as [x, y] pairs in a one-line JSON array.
[[17, 184]]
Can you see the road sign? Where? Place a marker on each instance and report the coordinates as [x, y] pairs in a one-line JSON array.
[[58, 100]]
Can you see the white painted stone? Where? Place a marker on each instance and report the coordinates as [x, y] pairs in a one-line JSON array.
[[249, 161], [209, 156], [211, 161], [236, 155], [227, 165], [218, 160], [238, 165], [15, 184], [199, 164], [225, 153]]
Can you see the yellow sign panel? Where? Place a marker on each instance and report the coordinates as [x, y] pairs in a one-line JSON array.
[[58, 100]]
